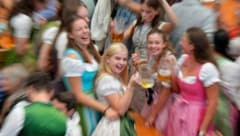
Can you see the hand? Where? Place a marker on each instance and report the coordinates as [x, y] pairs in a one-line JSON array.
[[111, 27], [150, 121], [135, 59], [111, 114], [134, 80]]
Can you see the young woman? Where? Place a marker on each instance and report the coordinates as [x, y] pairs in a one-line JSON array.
[[197, 83], [53, 37], [114, 90], [150, 16], [159, 50], [80, 66]]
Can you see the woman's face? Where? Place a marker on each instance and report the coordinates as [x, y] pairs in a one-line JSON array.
[[80, 32], [117, 62], [83, 12], [147, 13], [186, 45], [155, 44]]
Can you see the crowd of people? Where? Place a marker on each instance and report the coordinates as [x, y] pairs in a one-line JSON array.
[[82, 67]]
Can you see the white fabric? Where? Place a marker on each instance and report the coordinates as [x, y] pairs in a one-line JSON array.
[[73, 128], [231, 80], [61, 44], [106, 127], [234, 46], [100, 20], [75, 67], [208, 73], [107, 85], [14, 121], [49, 35], [22, 25]]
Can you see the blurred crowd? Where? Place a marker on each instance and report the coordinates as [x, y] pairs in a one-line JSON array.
[[81, 67]]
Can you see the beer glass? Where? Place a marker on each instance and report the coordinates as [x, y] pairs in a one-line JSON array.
[[142, 53], [146, 76], [164, 70], [117, 34]]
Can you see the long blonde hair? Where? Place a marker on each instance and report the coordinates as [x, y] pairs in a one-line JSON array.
[[104, 67]]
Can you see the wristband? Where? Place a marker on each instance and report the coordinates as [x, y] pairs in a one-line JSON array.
[[105, 110]]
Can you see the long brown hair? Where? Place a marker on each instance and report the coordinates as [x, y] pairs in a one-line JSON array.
[[202, 50], [25, 7], [156, 5], [72, 44]]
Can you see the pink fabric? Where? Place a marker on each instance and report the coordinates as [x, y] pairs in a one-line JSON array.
[[162, 117], [188, 110], [234, 115]]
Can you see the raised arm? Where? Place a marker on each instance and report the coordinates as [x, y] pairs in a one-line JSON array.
[[171, 16], [132, 5]]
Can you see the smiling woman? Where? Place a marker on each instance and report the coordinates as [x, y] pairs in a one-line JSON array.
[[113, 89], [80, 66]]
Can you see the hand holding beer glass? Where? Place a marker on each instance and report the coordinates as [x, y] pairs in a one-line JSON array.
[[165, 70], [118, 29]]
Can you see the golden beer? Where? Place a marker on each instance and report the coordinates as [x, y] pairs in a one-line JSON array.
[[147, 84], [117, 37], [164, 75]]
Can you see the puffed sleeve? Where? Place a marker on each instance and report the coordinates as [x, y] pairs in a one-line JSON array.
[[49, 35], [107, 85], [72, 67], [22, 26], [209, 74]]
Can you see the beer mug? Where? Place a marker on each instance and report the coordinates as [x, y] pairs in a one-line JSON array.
[[142, 53], [164, 70], [146, 76], [117, 34]]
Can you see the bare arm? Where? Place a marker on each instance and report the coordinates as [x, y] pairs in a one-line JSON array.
[[162, 99], [82, 98], [128, 32], [172, 18], [212, 95], [44, 57], [22, 45], [132, 5], [76, 88], [121, 103]]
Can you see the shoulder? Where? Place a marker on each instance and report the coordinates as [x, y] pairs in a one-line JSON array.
[[107, 84], [21, 19], [106, 78], [209, 74], [72, 53]]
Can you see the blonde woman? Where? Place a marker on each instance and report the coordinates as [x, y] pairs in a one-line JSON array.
[[113, 89]]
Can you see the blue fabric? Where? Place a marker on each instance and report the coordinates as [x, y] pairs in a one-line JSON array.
[[87, 77], [3, 95], [126, 14], [47, 12], [89, 117]]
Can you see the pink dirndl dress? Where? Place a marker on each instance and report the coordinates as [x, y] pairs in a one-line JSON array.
[[188, 110], [162, 117]]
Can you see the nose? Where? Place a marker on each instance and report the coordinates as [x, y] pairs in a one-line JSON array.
[[122, 62]]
